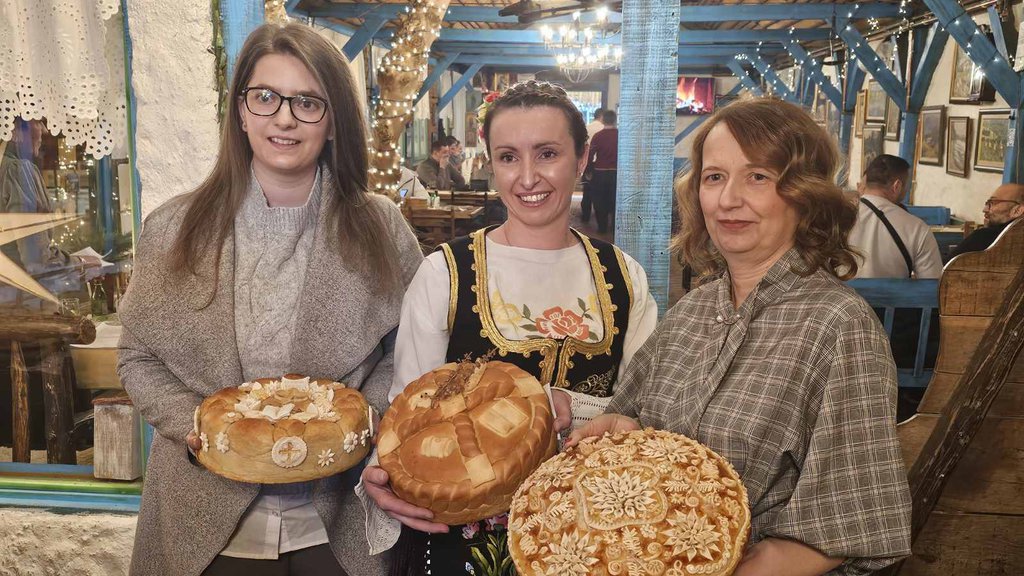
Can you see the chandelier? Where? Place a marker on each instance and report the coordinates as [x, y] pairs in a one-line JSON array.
[[580, 48]]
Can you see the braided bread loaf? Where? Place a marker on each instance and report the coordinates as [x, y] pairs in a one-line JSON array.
[[461, 438], [288, 430]]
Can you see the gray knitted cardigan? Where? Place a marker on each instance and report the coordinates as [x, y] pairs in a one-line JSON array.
[[174, 352]]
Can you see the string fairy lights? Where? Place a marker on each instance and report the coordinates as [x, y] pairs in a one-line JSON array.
[[400, 76]]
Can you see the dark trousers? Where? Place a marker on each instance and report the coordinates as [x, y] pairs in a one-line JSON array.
[[312, 561], [602, 189], [586, 202]]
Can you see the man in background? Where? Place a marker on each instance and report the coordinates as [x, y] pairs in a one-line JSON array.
[[894, 243], [456, 158], [435, 172], [604, 158], [1005, 206], [594, 127]]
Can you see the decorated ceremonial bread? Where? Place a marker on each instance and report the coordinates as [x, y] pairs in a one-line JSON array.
[[288, 430], [644, 502], [461, 438]]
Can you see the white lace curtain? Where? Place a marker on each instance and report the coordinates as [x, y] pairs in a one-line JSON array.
[[63, 60]]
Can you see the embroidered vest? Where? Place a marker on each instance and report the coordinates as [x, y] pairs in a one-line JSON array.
[[587, 367]]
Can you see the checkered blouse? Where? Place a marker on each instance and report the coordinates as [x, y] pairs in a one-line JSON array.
[[797, 389]]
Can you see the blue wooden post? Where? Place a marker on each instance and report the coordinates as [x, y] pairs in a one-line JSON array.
[[643, 215], [136, 200], [364, 35], [240, 17], [105, 201], [457, 87], [435, 75], [745, 80], [854, 80], [924, 60]]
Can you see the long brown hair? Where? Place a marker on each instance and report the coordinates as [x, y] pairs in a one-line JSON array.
[[355, 222], [780, 136]]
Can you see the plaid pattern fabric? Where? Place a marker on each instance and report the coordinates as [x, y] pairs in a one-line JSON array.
[[797, 389]]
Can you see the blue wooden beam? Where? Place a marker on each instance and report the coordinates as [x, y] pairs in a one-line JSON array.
[[457, 87], [997, 30], [549, 60], [771, 77], [745, 80], [697, 122], [240, 17], [435, 75], [769, 51], [807, 83], [813, 69], [643, 215], [788, 11], [854, 78], [685, 36], [871, 61], [364, 35], [977, 46]]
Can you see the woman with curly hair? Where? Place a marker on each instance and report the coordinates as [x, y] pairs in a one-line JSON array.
[[774, 363]]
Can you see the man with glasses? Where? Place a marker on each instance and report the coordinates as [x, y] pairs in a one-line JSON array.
[[1005, 206]]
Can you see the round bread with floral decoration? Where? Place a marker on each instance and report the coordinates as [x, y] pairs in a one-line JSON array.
[[642, 502], [290, 429], [461, 438]]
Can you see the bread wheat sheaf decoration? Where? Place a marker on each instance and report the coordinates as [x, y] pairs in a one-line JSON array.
[[642, 502], [400, 76]]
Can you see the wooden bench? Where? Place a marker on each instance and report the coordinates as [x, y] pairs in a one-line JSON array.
[[964, 449], [892, 293]]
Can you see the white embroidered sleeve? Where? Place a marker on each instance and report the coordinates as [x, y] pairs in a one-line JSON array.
[[382, 531], [584, 408]]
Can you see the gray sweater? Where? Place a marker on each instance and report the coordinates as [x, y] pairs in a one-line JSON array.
[[178, 346]]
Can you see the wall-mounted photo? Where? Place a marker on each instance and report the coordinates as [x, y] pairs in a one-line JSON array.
[[877, 101], [873, 144], [858, 114], [821, 105], [930, 138], [892, 122], [990, 144], [968, 84], [958, 137]]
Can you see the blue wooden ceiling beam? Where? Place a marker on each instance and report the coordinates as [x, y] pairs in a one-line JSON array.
[[854, 82], [813, 69], [928, 61], [730, 13], [962, 28], [540, 50], [457, 87], [435, 74], [871, 61], [771, 77], [745, 78], [549, 61], [364, 34], [685, 36], [997, 30]]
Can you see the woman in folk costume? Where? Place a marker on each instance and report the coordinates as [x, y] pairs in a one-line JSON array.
[[280, 262], [569, 309]]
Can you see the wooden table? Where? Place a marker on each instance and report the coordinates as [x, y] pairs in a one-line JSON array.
[[437, 225], [470, 197]]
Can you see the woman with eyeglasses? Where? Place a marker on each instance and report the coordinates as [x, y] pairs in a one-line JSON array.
[[279, 262]]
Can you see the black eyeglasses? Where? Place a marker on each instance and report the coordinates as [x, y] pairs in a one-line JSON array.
[[992, 201], [266, 102]]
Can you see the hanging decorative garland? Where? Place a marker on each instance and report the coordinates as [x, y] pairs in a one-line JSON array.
[[400, 77]]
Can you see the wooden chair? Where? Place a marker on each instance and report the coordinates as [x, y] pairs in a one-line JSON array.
[[964, 449]]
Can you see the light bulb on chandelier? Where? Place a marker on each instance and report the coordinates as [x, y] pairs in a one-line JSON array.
[[581, 48]]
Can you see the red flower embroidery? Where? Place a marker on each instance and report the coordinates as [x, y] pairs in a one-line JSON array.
[[559, 323]]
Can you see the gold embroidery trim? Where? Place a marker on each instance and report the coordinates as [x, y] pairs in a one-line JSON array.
[[604, 299], [453, 277], [625, 274], [544, 346]]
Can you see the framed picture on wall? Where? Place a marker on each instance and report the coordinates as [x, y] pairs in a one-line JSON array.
[[892, 121], [968, 85], [958, 137], [858, 114], [872, 145], [877, 102], [929, 135], [990, 142]]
